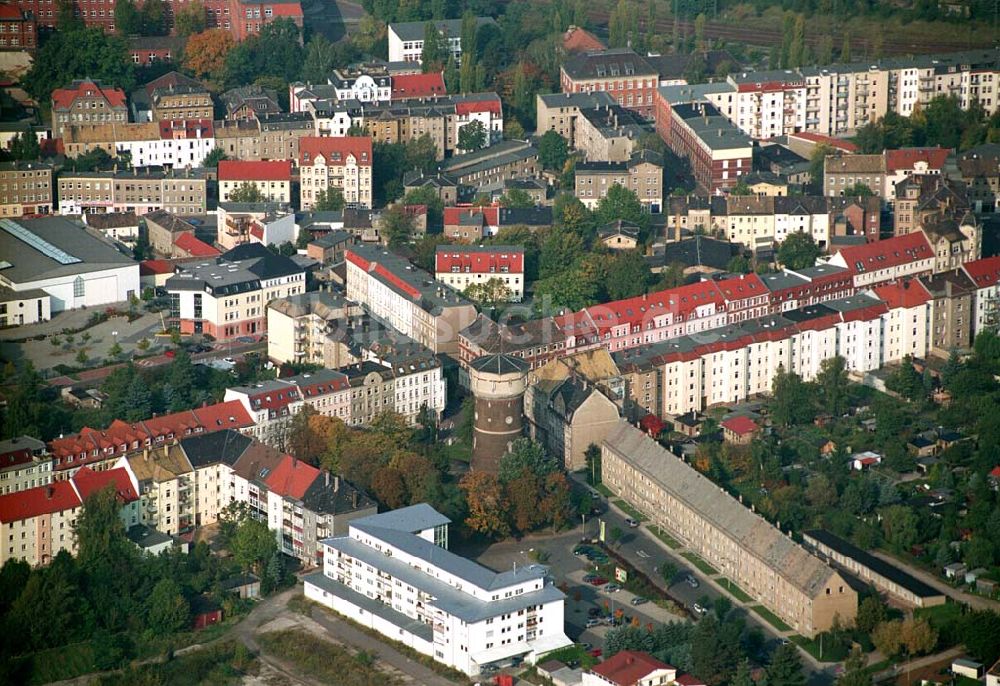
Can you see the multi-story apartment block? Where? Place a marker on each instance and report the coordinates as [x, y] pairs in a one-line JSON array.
[[250, 102], [280, 135], [393, 572], [985, 274], [609, 134], [268, 223], [170, 144], [25, 463], [907, 163], [179, 192], [176, 96], [362, 84], [980, 171], [239, 139], [837, 100], [719, 153], [25, 188], [559, 112], [462, 266], [272, 404], [406, 39], [272, 178], [344, 163], [409, 299], [87, 102], [628, 77], [471, 224], [18, 29], [888, 260], [952, 311], [642, 174], [842, 172], [488, 168], [795, 585], [297, 326], [38, 523], [227, 297]]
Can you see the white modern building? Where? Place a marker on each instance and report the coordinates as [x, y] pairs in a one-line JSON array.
[[406, 40], [393, 572], [55, 265]]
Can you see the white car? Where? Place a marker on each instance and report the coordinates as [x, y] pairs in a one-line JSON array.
[[699, 610]]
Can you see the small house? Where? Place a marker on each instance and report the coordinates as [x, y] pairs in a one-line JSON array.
[[926, 464], [619, 235], [244, 585], [204, 612], [688, 424], [956, 570], [921, 446], [862, 462], [987, 587], [963, 666], [739, 430], [828, 448], [869, 425], [971, 576], [947, 439]]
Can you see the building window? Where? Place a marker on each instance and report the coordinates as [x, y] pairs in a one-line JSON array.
[[78, 287]]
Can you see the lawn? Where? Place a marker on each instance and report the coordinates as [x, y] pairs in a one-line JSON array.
[[771, 618], [940, 615], [631, 511], [326, 661], [223, 664], [703, 566], [573, 653], [603, 490], [61, 663], [818, 650], [670, 541], [735, 590]]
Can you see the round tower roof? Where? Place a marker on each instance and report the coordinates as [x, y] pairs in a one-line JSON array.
[[500, 364]]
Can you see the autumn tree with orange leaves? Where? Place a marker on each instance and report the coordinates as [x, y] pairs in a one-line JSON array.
[[487, 504], [205, 53]]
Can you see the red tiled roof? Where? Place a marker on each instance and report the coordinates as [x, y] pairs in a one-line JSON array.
[[472, 261], [63, 98], [56, 497], [287, 9], [484, 105], [628, 667], [195, 247], [453, 215], [188, 128], [580, 40], [995, 472], [88, 482], [903, 294], [740, 425], [688, 680], [891, 252], [905, 158], [335, 150], [418, 85], [681, 302], [984, 272], [291, 478], [263, 170], [147, 267], [9, 12]]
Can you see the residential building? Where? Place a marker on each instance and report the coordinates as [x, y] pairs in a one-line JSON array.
[[462, 615], [38, 523], [719, 152], [462, 266], [250, 102], [280, 135], [272, 404], [608, 134], [642, 174], [471, 224], [567, 416], [18, 28], [632, 668], [297, 327], [559, 112], [329, 249], [905, 163], [272, 178], [239, 223], [52, 264], [885, 576], [406, 39], [342, 163], [985, 274], [888, 260], [122, 227], [24, 463], [306, 506], [619, 235], [162, 231], [25, 188], [576, 39], [175, 96], [410, 86], [227, 297], [445, 187], [979, 168], [407, 298], [187, 245], [178, 192], [796, 586], [178, 143], [163, 478], [147, 51], [86, 101], [629, 78], [952, 311], [488, 168]]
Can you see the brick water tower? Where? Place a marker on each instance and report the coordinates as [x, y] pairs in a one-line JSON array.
[[498, 384]]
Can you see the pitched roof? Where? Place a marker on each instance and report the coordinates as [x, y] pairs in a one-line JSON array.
[[628, 667], [740, 425], [903, 294], [418, 85], [291, 478], [216, 447], [580, 40], [33, 502], [479, 259], [854, 164], [63, 98], [195, 246], [335, 150], [88, 482], [890, 252], [601, 64], [262, 170], [984, 272], [906, 158]]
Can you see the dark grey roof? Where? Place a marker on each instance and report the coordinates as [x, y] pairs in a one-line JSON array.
[[332, 239], [146, 537], [619, 226], [238, 270], [30, 259], [500, 364], [700, 251], [379, 609], [336, 496], [166, 220], [212, 448], [410, 519], [613, 63], [711, 127], [875, 564]]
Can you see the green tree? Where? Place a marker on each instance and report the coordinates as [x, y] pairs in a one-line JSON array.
[[452, 82], [899, 525], [320, 61], [433, 54], [470, 52], [397, 224], [888, 638], [114, 351], [517, 198], [798, 250], [253, 545], [138, 400], [785, 668], [489, 294], [329, 200], [571, 289], [858, 190], [154, 17], [621, 203], [77, 53], [741, 188], [792, 399], [559, 250], [25, 147], [246, 192], [832, 381], [128, 18], [525, 455], [100, 533], [553, 150], [845, 48], [472, 136], [855, 669], [798, 46], [871, 613], [627, 275], [739, 264], [167, 611], [190, 19]]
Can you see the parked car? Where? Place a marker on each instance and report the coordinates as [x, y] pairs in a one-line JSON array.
[[598, 581], [639, 600], [631, 522], [612, 588], [581, 550], [692, 582], [596, 652], [587, 578], [592, 622], [229, 360], [699, 610]]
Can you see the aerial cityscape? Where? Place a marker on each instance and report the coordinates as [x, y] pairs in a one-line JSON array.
[[499, 342]]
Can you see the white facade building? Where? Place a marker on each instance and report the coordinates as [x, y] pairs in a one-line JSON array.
[[406, 40], [393, 573]]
